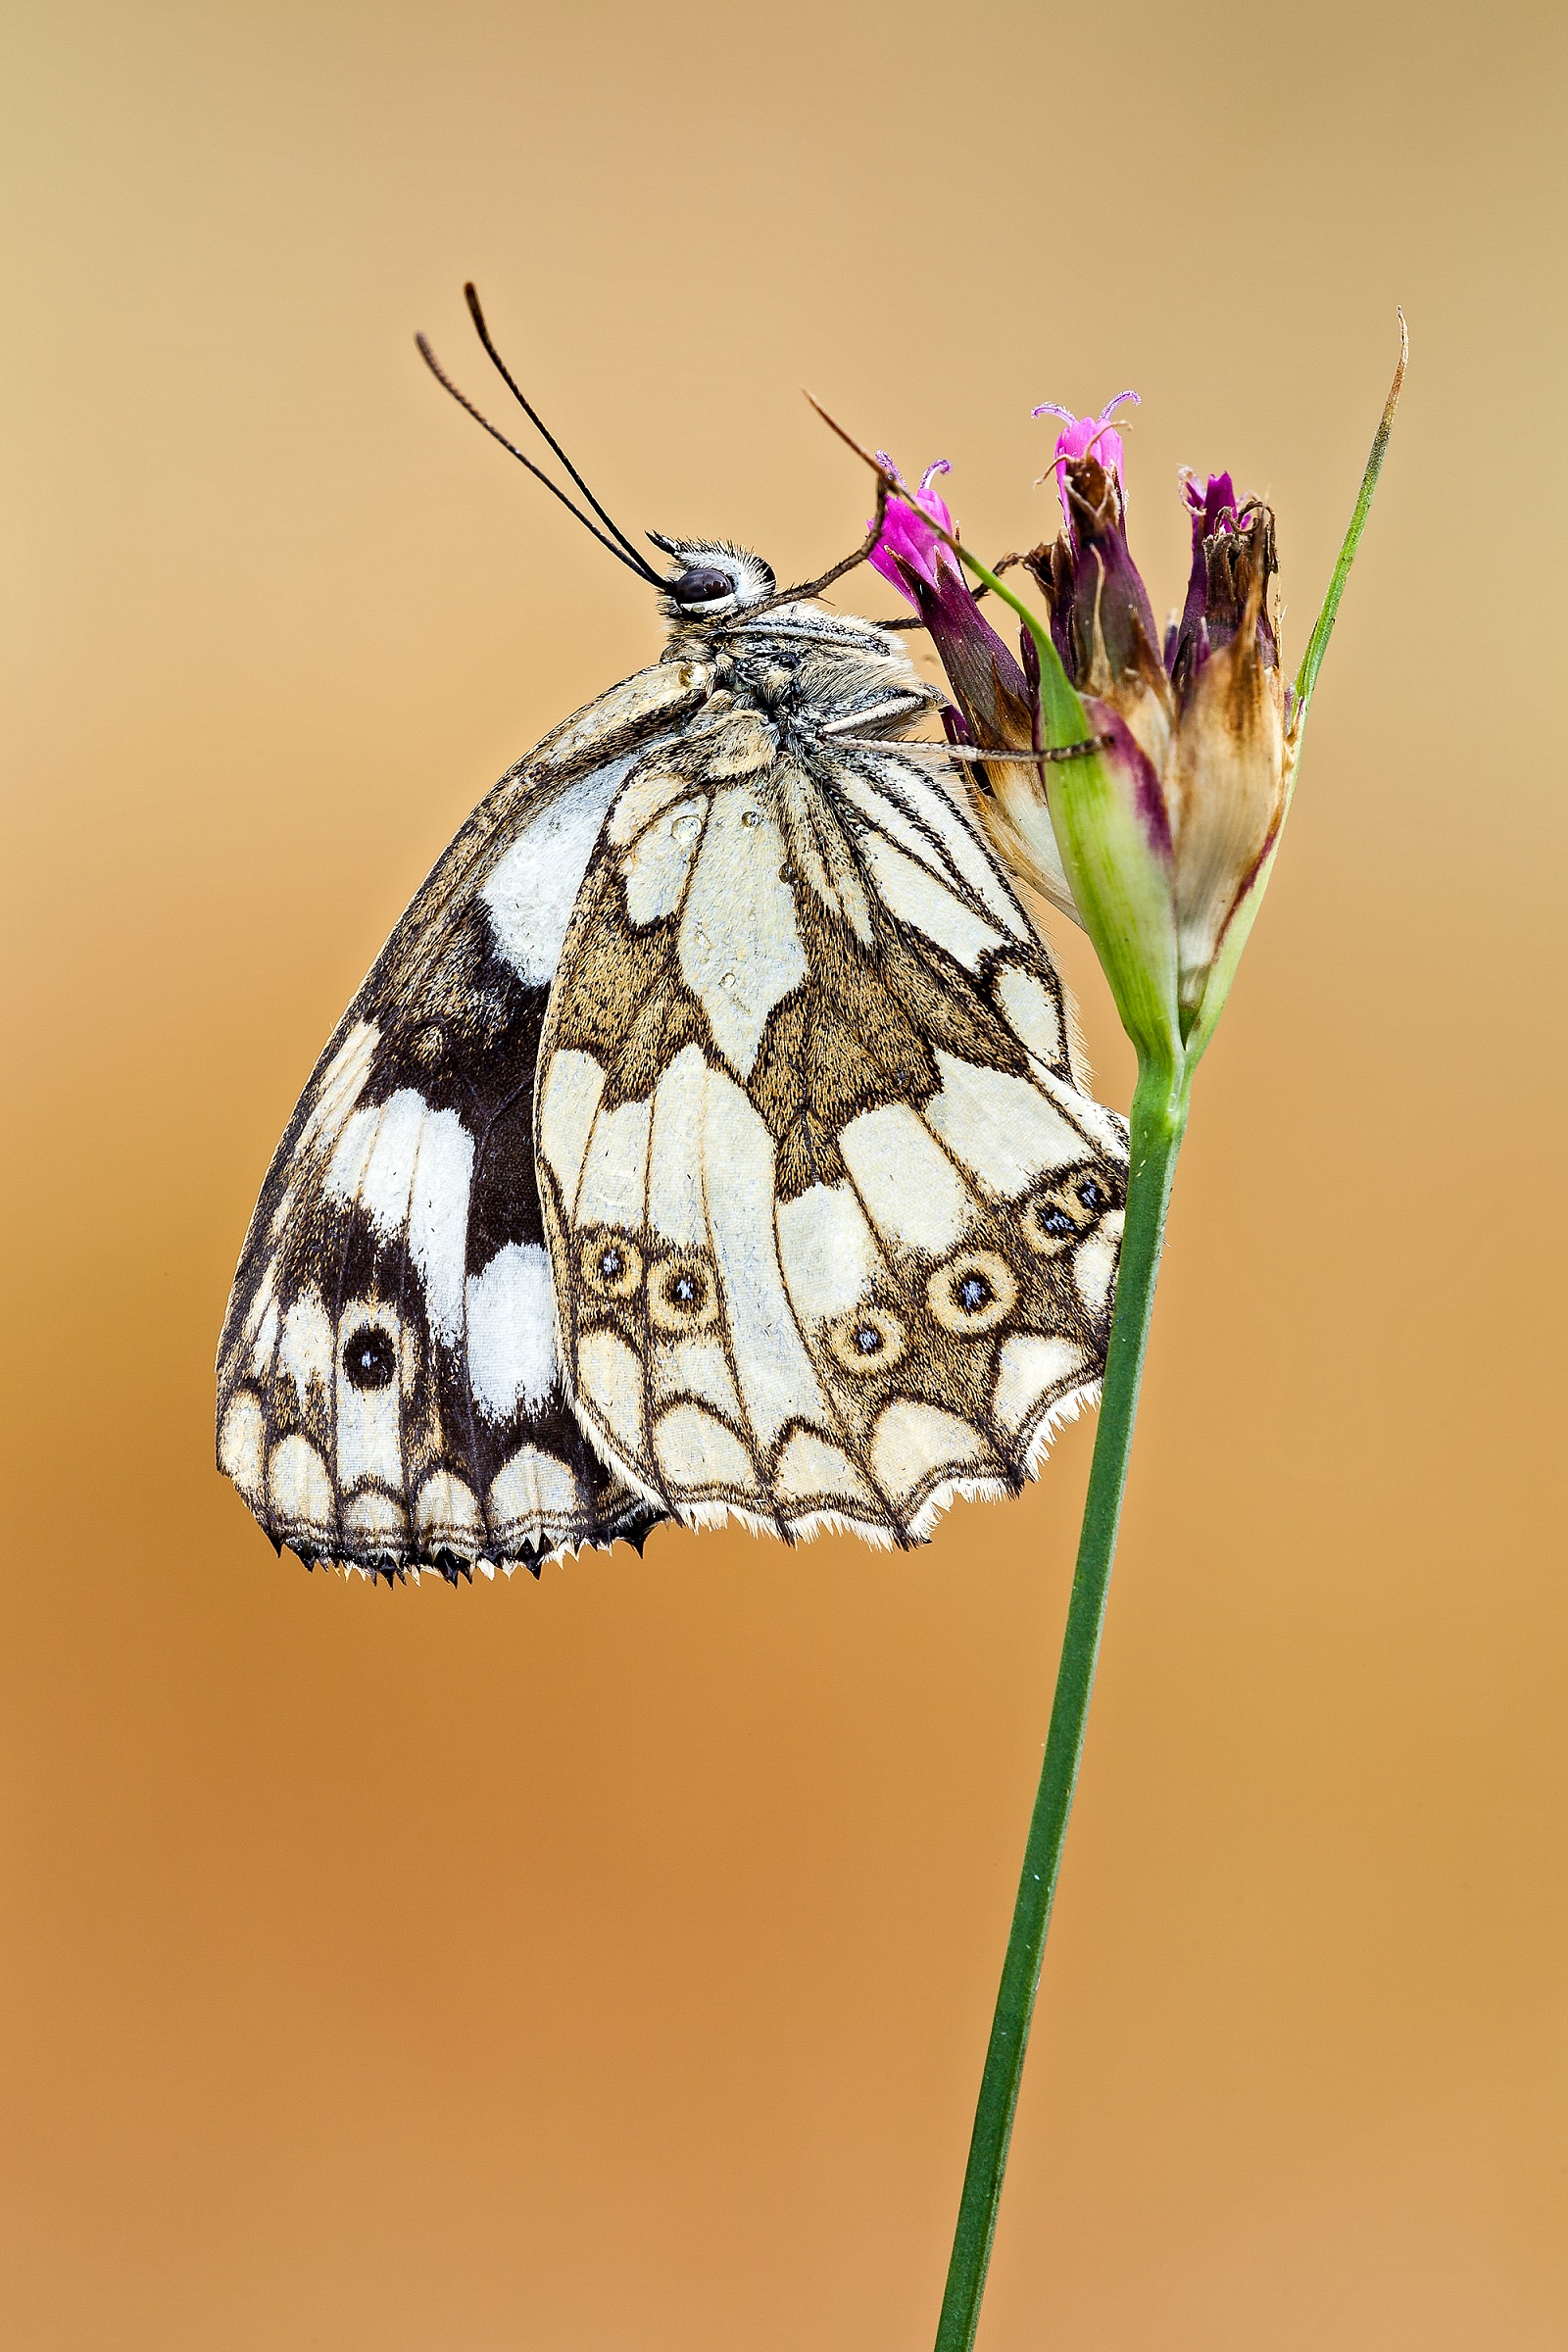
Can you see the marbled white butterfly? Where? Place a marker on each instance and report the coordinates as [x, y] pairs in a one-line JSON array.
[[706, 1137]]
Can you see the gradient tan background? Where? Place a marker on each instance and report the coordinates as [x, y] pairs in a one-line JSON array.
[[607, 1965]]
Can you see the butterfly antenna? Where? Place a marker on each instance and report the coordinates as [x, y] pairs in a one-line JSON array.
[[887, 485], [633, 562], [472, 298], [810, 588]]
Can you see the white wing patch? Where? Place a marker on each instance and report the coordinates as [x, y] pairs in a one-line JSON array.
[[676, 1209], [660, 866], [342, 1082], [530, 892], [917, 813], [532, 1490], [1006, 1130], [409, 1168], [574, 1085], [777, 1382], [242, 1445], [827, 1250], [740, 947], [512, 1329], [307, 1348], [1033, 1012], [615, 1172], [370, 1421], [447, 1516], [911, 1190], [923, 899]]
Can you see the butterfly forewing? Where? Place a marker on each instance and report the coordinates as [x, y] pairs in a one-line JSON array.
[[834, 1227], [389, 1393]]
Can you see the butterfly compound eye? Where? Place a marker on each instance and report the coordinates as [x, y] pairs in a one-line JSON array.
[[705, 585]]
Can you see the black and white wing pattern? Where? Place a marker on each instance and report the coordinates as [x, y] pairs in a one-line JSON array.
[[389, 1394], [834, 1226]]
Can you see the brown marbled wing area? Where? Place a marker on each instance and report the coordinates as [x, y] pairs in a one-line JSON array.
[[833, 1225], [388, 1393]]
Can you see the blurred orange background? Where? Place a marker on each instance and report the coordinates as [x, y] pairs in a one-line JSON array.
[[607, 1963]]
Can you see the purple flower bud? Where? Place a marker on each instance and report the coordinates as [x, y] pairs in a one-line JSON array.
[[987, 682], [1228, 779], [995, 707], [1169, 826], [1233, 550], [908, 553], [1101, 621]]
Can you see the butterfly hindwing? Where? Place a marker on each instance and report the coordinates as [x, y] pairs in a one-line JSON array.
[[389, 1394], [834, 1227]]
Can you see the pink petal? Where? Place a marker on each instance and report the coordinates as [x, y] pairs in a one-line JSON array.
[[1083, 433]]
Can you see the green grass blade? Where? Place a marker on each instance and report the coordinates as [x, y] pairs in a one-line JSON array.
[[1318, 643]]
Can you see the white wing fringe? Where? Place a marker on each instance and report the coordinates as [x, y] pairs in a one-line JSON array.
[[961, 1488]]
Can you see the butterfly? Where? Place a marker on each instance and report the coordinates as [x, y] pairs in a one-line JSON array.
[[708, 1139]]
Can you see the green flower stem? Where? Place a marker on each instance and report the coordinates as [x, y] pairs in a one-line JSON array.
[[1158, 1123]]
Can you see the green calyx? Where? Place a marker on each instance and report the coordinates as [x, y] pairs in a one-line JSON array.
[[1121, 881]]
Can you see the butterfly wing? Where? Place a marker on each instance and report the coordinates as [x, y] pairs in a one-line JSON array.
[[388, 1389], [834, 1226]]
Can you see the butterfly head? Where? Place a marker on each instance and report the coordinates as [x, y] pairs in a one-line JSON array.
[[805, 667], [710, 580]]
